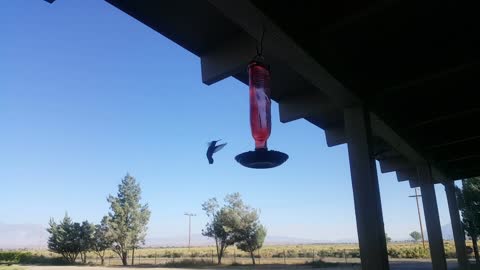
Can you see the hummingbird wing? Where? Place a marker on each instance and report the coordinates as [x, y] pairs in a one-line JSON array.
[[219, 147]]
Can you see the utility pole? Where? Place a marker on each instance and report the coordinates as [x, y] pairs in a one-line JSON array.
[[190, 215], [419, 215]]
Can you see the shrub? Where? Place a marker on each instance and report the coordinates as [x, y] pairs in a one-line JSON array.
[[177, 254], [355, 253], [321, 264], [11, 256], [29, 258], [408, 252], [188, 263]]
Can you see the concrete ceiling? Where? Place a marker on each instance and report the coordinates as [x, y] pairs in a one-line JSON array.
[[413, 64]]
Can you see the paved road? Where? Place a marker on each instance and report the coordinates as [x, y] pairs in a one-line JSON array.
[[418, 265], [393, 266]]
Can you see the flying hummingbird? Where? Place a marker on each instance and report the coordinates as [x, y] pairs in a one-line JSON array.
[[213, 148]]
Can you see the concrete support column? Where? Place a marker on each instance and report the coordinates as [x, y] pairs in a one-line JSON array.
[[366, 193], [457, 227], [432, 219]]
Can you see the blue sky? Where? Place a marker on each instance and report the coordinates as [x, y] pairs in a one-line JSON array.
[[88, 93]]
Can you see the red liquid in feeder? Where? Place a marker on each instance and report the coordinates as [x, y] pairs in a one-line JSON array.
[[260, 116]]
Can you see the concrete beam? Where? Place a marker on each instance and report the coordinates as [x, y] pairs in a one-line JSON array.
[[228, 59], [394, 164], [382, 130], [457, 227], [407, 174], [432, 219], [284, 48], [413, 183], [366, 192], [335, 136], [427, 78], [384, 151], [298, 107]]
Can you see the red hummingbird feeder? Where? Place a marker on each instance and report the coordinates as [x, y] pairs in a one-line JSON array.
[[260, 119]]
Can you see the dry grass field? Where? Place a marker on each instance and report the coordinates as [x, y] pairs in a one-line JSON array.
[[394, 265], [287, 254], [406, 255]]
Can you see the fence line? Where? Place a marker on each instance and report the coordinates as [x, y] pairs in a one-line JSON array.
[[234, 258]]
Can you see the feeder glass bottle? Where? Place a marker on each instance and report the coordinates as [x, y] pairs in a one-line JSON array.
[[260, 117]]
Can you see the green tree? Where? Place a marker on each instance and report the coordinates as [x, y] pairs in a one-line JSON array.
[[86, 239], [102, 241], [252, 238], [128, 219], [469, 204], [249, 233], [65, 238], [388, 238], [219, 227], [415, 236], [232, 223]]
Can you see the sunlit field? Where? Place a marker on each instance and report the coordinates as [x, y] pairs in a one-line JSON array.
[[287, 254]]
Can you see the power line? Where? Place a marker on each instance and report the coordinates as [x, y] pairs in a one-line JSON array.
[[190, 215], [419, 215]]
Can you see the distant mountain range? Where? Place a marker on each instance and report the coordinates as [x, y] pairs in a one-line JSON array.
[[200, 240], [447, 232], [34, 236], [16, 236]]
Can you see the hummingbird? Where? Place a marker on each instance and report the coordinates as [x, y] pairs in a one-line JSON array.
[[213, 148]]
